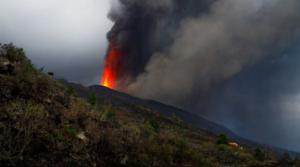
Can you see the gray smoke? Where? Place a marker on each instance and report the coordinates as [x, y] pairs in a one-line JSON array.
[[213, 47], [161, 4], [235, 62]]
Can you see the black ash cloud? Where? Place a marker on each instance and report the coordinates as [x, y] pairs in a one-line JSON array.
[[199, 53]]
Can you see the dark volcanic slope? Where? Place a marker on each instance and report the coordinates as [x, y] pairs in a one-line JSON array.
[[104, 94]]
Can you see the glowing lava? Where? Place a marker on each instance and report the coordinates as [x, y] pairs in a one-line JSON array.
[[110, 75]]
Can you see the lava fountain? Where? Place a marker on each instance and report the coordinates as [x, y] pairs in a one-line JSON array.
[[110, 71]]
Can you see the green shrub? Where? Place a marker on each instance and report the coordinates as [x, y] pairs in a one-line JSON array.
[[108, 113], [12, 53], [70, 91], [181, 148], [198, 158], [92, 99], [259, 154], [16, 136], [70, 131], [222, 139], [175, 118], [154, 125], [222, 147]]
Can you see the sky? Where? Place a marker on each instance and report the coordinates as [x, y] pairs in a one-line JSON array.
[[67, 37]]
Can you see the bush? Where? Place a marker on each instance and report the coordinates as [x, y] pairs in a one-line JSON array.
[[286, 160], [70, 131], [108, 113], [199, 159], [12, 53], [70, 91], [19, 64], [16, 136], [154, 125], [176, 119], [92, 99], [51, 74], [181, 148], [222, 139], [259, 154]]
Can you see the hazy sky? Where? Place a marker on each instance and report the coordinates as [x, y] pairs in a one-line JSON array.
[[68, 37]]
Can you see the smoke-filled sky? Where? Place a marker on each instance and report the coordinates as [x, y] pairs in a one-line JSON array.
[[68, 37], [232, 61]]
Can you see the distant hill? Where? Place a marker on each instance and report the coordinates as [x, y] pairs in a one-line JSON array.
[[44, 123]]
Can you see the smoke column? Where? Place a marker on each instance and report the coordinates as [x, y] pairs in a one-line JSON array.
[[190, 54], [141, 29], [173, 51], [212, 48]]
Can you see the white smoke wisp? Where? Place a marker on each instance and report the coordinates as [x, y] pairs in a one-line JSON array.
[[218, 45]]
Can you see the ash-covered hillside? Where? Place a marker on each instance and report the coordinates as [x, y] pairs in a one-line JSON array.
[[43, 123]]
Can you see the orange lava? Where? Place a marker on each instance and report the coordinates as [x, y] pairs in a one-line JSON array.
[[109, 76]]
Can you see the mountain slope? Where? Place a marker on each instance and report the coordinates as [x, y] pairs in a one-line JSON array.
[[120, 98], [42, 123], [104, 94]]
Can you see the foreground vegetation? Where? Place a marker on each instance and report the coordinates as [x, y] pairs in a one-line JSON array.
[[42, 123]]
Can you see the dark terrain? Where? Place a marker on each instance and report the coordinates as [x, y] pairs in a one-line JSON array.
[[107, 95], [44, 122]]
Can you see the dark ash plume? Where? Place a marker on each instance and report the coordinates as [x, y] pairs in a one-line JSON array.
[[144, 27], [222, 59], [214, 47]]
